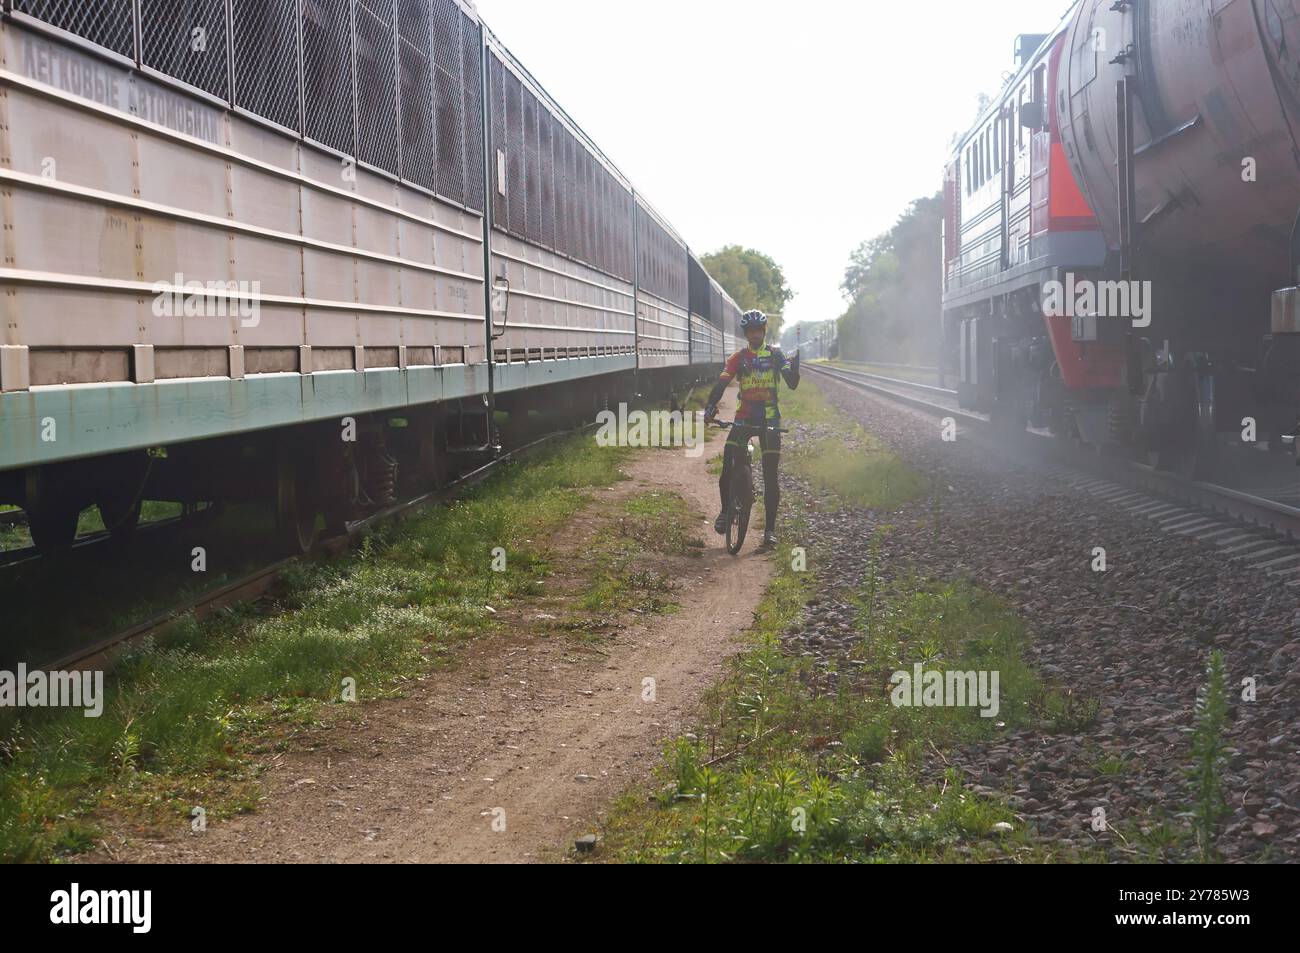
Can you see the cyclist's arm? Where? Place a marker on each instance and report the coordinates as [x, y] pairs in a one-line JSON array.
[[725, 378], [790, 370]]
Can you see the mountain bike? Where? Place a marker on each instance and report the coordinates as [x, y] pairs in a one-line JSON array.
[[741, 491]]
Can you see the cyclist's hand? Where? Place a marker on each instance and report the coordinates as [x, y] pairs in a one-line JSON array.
[[794, 361]]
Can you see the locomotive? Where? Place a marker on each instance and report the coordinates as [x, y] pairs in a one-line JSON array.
[[1120, 236], [303, 251]]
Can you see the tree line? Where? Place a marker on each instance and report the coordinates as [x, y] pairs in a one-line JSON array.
[[893, 283]]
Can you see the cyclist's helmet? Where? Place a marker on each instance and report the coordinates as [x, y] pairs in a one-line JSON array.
[[753, 319]]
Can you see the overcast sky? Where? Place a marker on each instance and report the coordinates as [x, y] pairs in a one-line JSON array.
[[797, 128]]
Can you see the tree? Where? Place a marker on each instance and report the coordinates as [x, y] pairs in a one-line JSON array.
[[892, 285], [753, 279]]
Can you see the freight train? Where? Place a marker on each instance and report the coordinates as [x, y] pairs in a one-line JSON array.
[[1120, 237], [302, 250]]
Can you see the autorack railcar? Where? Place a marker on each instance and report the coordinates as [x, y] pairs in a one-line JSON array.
[[297, 250]]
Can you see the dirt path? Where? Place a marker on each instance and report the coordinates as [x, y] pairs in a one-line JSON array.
[[530, 731]]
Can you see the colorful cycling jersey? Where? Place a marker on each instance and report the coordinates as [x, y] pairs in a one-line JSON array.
[[756, 373]]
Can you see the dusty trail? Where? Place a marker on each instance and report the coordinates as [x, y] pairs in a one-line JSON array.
[[535, 731]]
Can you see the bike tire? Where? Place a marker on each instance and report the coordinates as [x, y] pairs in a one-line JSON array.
[[738, 524]]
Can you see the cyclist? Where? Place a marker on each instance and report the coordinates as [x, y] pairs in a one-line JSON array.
[[755, 369]]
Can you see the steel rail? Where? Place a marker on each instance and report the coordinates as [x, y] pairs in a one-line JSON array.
[[1272, 515]]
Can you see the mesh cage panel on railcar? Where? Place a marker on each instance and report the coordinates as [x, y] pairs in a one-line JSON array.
[[414, 60], [558, 194], [599, 225], [107, 23], [602, 219], [563, 150], [499, 144], [397, 83], [449, 100], [546, 167], [516, 199], [265, 57], [701, 299], [596, 178], [532, 172], [472, 111], [629, 266], [582, 204], [327, 73], [376, 85], [187, 41], [568, 189]]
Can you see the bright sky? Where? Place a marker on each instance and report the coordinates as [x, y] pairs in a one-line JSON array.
[[797, 128]]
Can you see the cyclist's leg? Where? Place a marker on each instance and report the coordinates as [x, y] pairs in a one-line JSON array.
[[770, 441]]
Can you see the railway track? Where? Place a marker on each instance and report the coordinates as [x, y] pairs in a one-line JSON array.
[[1260, 531], [258, 582]]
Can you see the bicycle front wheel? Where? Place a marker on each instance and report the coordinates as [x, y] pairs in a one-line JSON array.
[[742, 496]]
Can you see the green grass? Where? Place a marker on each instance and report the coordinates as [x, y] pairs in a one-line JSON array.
[[652, 523], [185, 722], [781, 770], [1210, 757], [847, 465], [787, 765]]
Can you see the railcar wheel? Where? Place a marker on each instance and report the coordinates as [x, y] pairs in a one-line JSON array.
[[120, 514], [295, 508], [52, 513], [435, 461], [1190, 447]]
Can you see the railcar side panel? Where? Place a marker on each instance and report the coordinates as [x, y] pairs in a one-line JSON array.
[[562, 237], [188, 275], [663, 323]]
